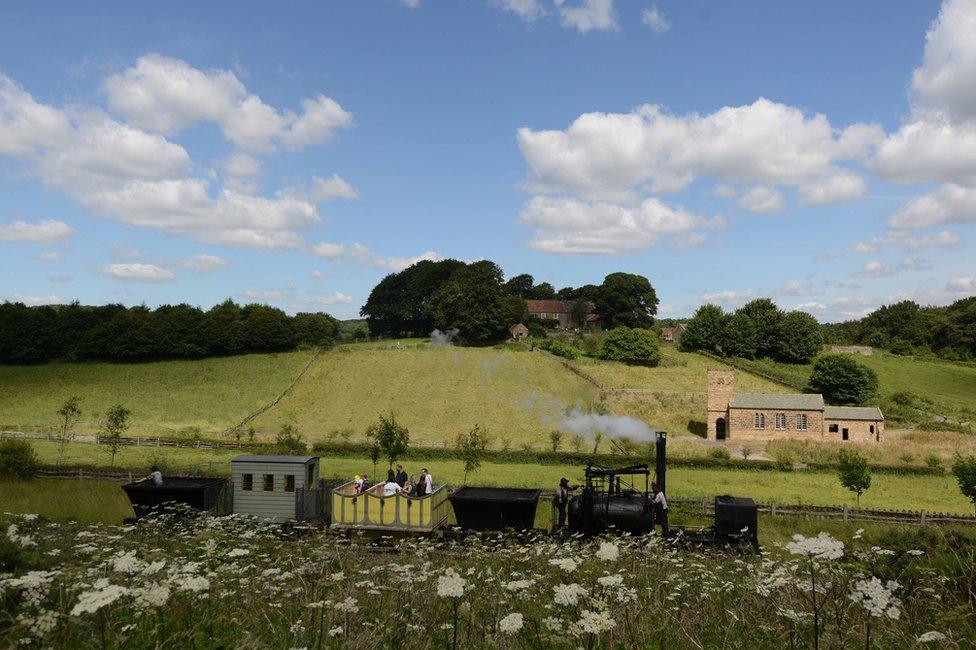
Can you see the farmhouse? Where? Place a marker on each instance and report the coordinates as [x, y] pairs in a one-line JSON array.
[[776, 416], [565, 312], [673, 334]]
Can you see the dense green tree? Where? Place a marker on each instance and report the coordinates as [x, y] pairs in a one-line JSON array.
[[178, 331], [266, 329], [390, 437], [472, 303], [842, 380], [801, 338], [116, 423], [964, 469], [706, 330], [768, 320], [626, 299], [738, 336], [519, 285], [635, 346], [224, 329], [853, 472], [399, 304], [314, 329]]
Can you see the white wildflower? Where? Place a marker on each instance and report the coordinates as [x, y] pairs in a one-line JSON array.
[[568, 594], [152, 596], [127, 563], [552, 624], [793, 615], [192, 583], [450, 585], [511, 623], [336, 631], [877, 597], [611, 581], [238, 552], [858, 533], [595, 622], [929, 637], [567, 564], [518, 585], [915, 552], [101, 596], [608, 552], [821, 547], [348, 606]]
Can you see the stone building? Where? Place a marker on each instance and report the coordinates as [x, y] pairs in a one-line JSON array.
[[564, 312], [782, 416], [673, 334]]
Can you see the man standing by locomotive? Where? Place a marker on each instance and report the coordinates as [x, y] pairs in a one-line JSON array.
[[660, 509], [562, 500]]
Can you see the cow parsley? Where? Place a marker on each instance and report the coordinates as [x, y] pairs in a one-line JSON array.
[[877, 597], [568, 594], [608, 552], [595, 622], [450, 585], [511, 623], [821, 547]]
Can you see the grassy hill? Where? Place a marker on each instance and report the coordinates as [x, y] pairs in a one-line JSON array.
[[164, 397]]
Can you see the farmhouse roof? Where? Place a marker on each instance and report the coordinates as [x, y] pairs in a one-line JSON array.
[[245, 458], [872, 413], [548, 306], [784, 401]]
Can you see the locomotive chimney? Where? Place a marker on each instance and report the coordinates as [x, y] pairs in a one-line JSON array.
[[660, 459]]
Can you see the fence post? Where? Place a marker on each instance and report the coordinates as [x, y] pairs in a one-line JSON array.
[[923, 517], [704, 506], [772, 509]]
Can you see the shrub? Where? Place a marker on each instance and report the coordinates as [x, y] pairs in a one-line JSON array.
[[555, 439], [389, 437], [933, 462], [746, 452], [852, 470], [964, 469], [559, 349], [632, 346], [721, 453], [17, 459], [784, 461], [289, 441], [115, 424], [908, 459], [842, 380]]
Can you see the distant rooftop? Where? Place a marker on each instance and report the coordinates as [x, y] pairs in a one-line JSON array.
[[872, 413], [784, 401], [301, 460]]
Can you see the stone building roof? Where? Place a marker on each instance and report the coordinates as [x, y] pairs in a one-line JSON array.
[[548, 306], [872, 413], [784, 401]]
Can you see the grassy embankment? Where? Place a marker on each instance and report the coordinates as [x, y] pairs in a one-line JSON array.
[[889, 491], [165, 397]]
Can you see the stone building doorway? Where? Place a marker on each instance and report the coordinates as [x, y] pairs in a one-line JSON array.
[[720, 429]]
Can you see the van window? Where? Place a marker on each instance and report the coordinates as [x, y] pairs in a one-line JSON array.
[[247, 482], [269, 482], [310, 476], [289, 482]]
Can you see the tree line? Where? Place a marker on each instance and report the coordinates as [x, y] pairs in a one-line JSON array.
[[77, 332], [476, 300], [907, 328], [757, 329]]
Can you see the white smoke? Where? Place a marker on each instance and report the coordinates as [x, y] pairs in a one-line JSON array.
[[438, 337], [611, 426]]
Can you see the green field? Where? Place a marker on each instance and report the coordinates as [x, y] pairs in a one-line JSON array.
[[81, 500], [891, 491], [164, 397], [436, 392]]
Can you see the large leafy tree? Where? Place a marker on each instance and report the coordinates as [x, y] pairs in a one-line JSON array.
[[632, 346], [853, 472], [706, 330], [801, 338], [400, 303], [768, 321], [473, 303], [842, 380], [626, 299]]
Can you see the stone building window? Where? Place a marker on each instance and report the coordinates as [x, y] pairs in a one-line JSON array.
[[780, 420], [760, 421], [801, 422]]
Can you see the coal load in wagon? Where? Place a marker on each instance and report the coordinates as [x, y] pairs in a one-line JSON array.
[[201, 493], [486, 508]]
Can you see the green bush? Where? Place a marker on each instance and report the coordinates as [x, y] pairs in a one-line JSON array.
[[933, 462], [288, 442], [784, 461], [721, 453], [842, 380], [17, 459], [632, 346], [559, 349]]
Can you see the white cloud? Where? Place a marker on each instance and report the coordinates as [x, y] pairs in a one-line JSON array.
[[725, 191], [46, 231], [327, 189], [165, 95], [761, 199], [316, 275], [950, 203], [25, 124], [243, 173], [941, 239], [588, 15], [49, 256], [356, 253], [878, 269], [654, 18], [121, 253], [333, 299], [611, 156], [729, 298], [928, 148], [945, 80], [136, 272], [204, 263], [527, 10], [840, 188], [410, 4], [35, 301], [264, 296], [963, 285], [800, 289], [572, 226]]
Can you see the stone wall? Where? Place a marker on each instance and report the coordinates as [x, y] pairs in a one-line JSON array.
[[858, 430], [721, 388], [742, 425]]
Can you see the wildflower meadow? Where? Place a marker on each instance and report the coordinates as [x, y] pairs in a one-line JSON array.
[[185, 581]]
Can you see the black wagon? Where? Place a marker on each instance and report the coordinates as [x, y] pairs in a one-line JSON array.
[[495, 509], [199, 493]]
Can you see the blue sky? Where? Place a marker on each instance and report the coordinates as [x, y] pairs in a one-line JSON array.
[[821, 153]]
